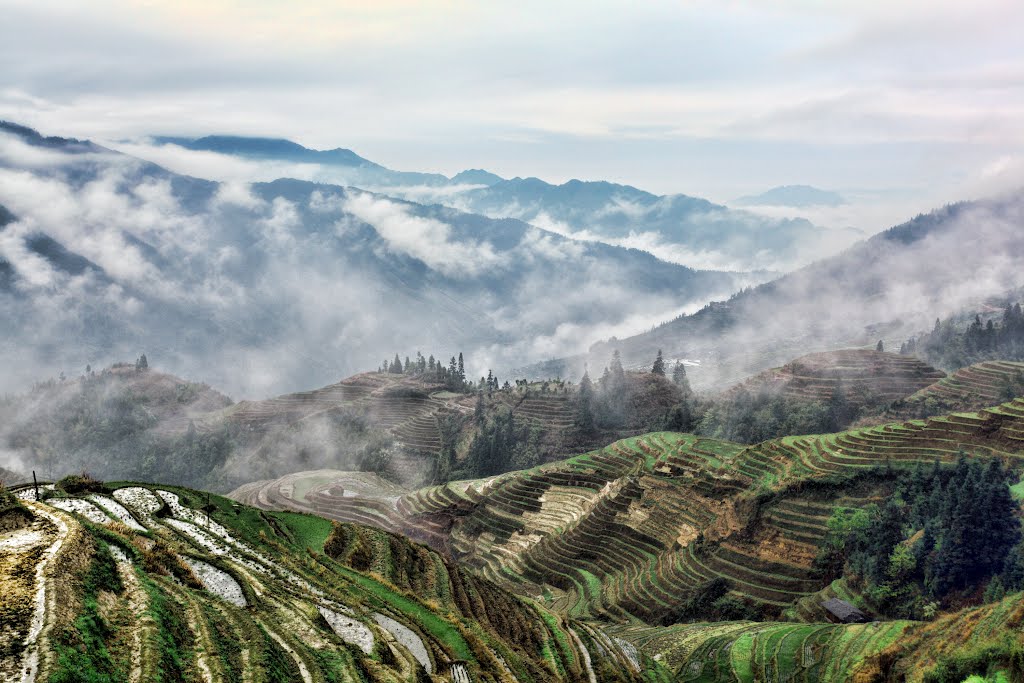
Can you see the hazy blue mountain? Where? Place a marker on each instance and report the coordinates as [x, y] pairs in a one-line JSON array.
[[268, 148], [346, 167], [476, 176], [284, 285], [888, 288], [679, 228], [796, 196]]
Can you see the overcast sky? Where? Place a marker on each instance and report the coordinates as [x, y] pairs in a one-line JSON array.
[[921, 100]]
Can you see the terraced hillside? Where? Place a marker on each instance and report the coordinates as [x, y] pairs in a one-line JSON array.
[[770, 651], [980, 640], [144, 583], [625, 532], [867, 378], [970, 388]]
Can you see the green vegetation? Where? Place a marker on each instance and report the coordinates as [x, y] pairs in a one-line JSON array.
[[950, 345], [83, 650], [945, 532], [80, 483]]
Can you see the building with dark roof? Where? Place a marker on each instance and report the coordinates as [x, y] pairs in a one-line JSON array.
[[843, 612]]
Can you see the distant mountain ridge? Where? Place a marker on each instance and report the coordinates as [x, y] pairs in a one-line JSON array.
[[278, 148], [676, 227], [797, 196], [888, 288]]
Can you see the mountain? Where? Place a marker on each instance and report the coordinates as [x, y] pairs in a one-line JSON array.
[[795, 196], [158, 583], [272, 287], [476, 176], [889, 287], [678, 228], [344, 166], [269, 148]]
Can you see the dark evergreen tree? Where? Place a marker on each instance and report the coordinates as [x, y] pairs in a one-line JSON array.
[[840, 413], [585, 408], [680, 380], [479, 413], [659, 365]]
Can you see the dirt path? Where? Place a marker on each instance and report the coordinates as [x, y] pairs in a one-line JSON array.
[[205, 649], [145, 632], [586, 656], [299, 661], [43, 599]]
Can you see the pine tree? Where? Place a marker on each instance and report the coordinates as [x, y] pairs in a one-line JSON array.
[[585, 409], [880, 346], [680, 380], [839, 412], [618, 375], [454, 381], [479, 412], [142, 363], [659, 365], [462, 368]]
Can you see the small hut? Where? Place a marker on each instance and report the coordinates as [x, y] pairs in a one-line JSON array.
[[843, 612]]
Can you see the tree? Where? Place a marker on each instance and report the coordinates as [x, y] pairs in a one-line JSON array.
[[659, 365], [142, 363], [616, 374], [880, 347], [585, 408], [480, 411], [840, 413], [396, 366], [680, 380], [452, 380], [462, 368]]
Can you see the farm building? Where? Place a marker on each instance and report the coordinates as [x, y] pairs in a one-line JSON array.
[[843, 612]]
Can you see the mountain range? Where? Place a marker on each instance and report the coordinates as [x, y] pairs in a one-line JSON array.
[[887, 288], [796, 196], [675, 227], [269, 287]]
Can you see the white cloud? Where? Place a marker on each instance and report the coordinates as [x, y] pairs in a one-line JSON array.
[[689, 97], [426, 239]]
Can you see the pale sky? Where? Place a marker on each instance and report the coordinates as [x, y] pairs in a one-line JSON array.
[[916, 102]]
